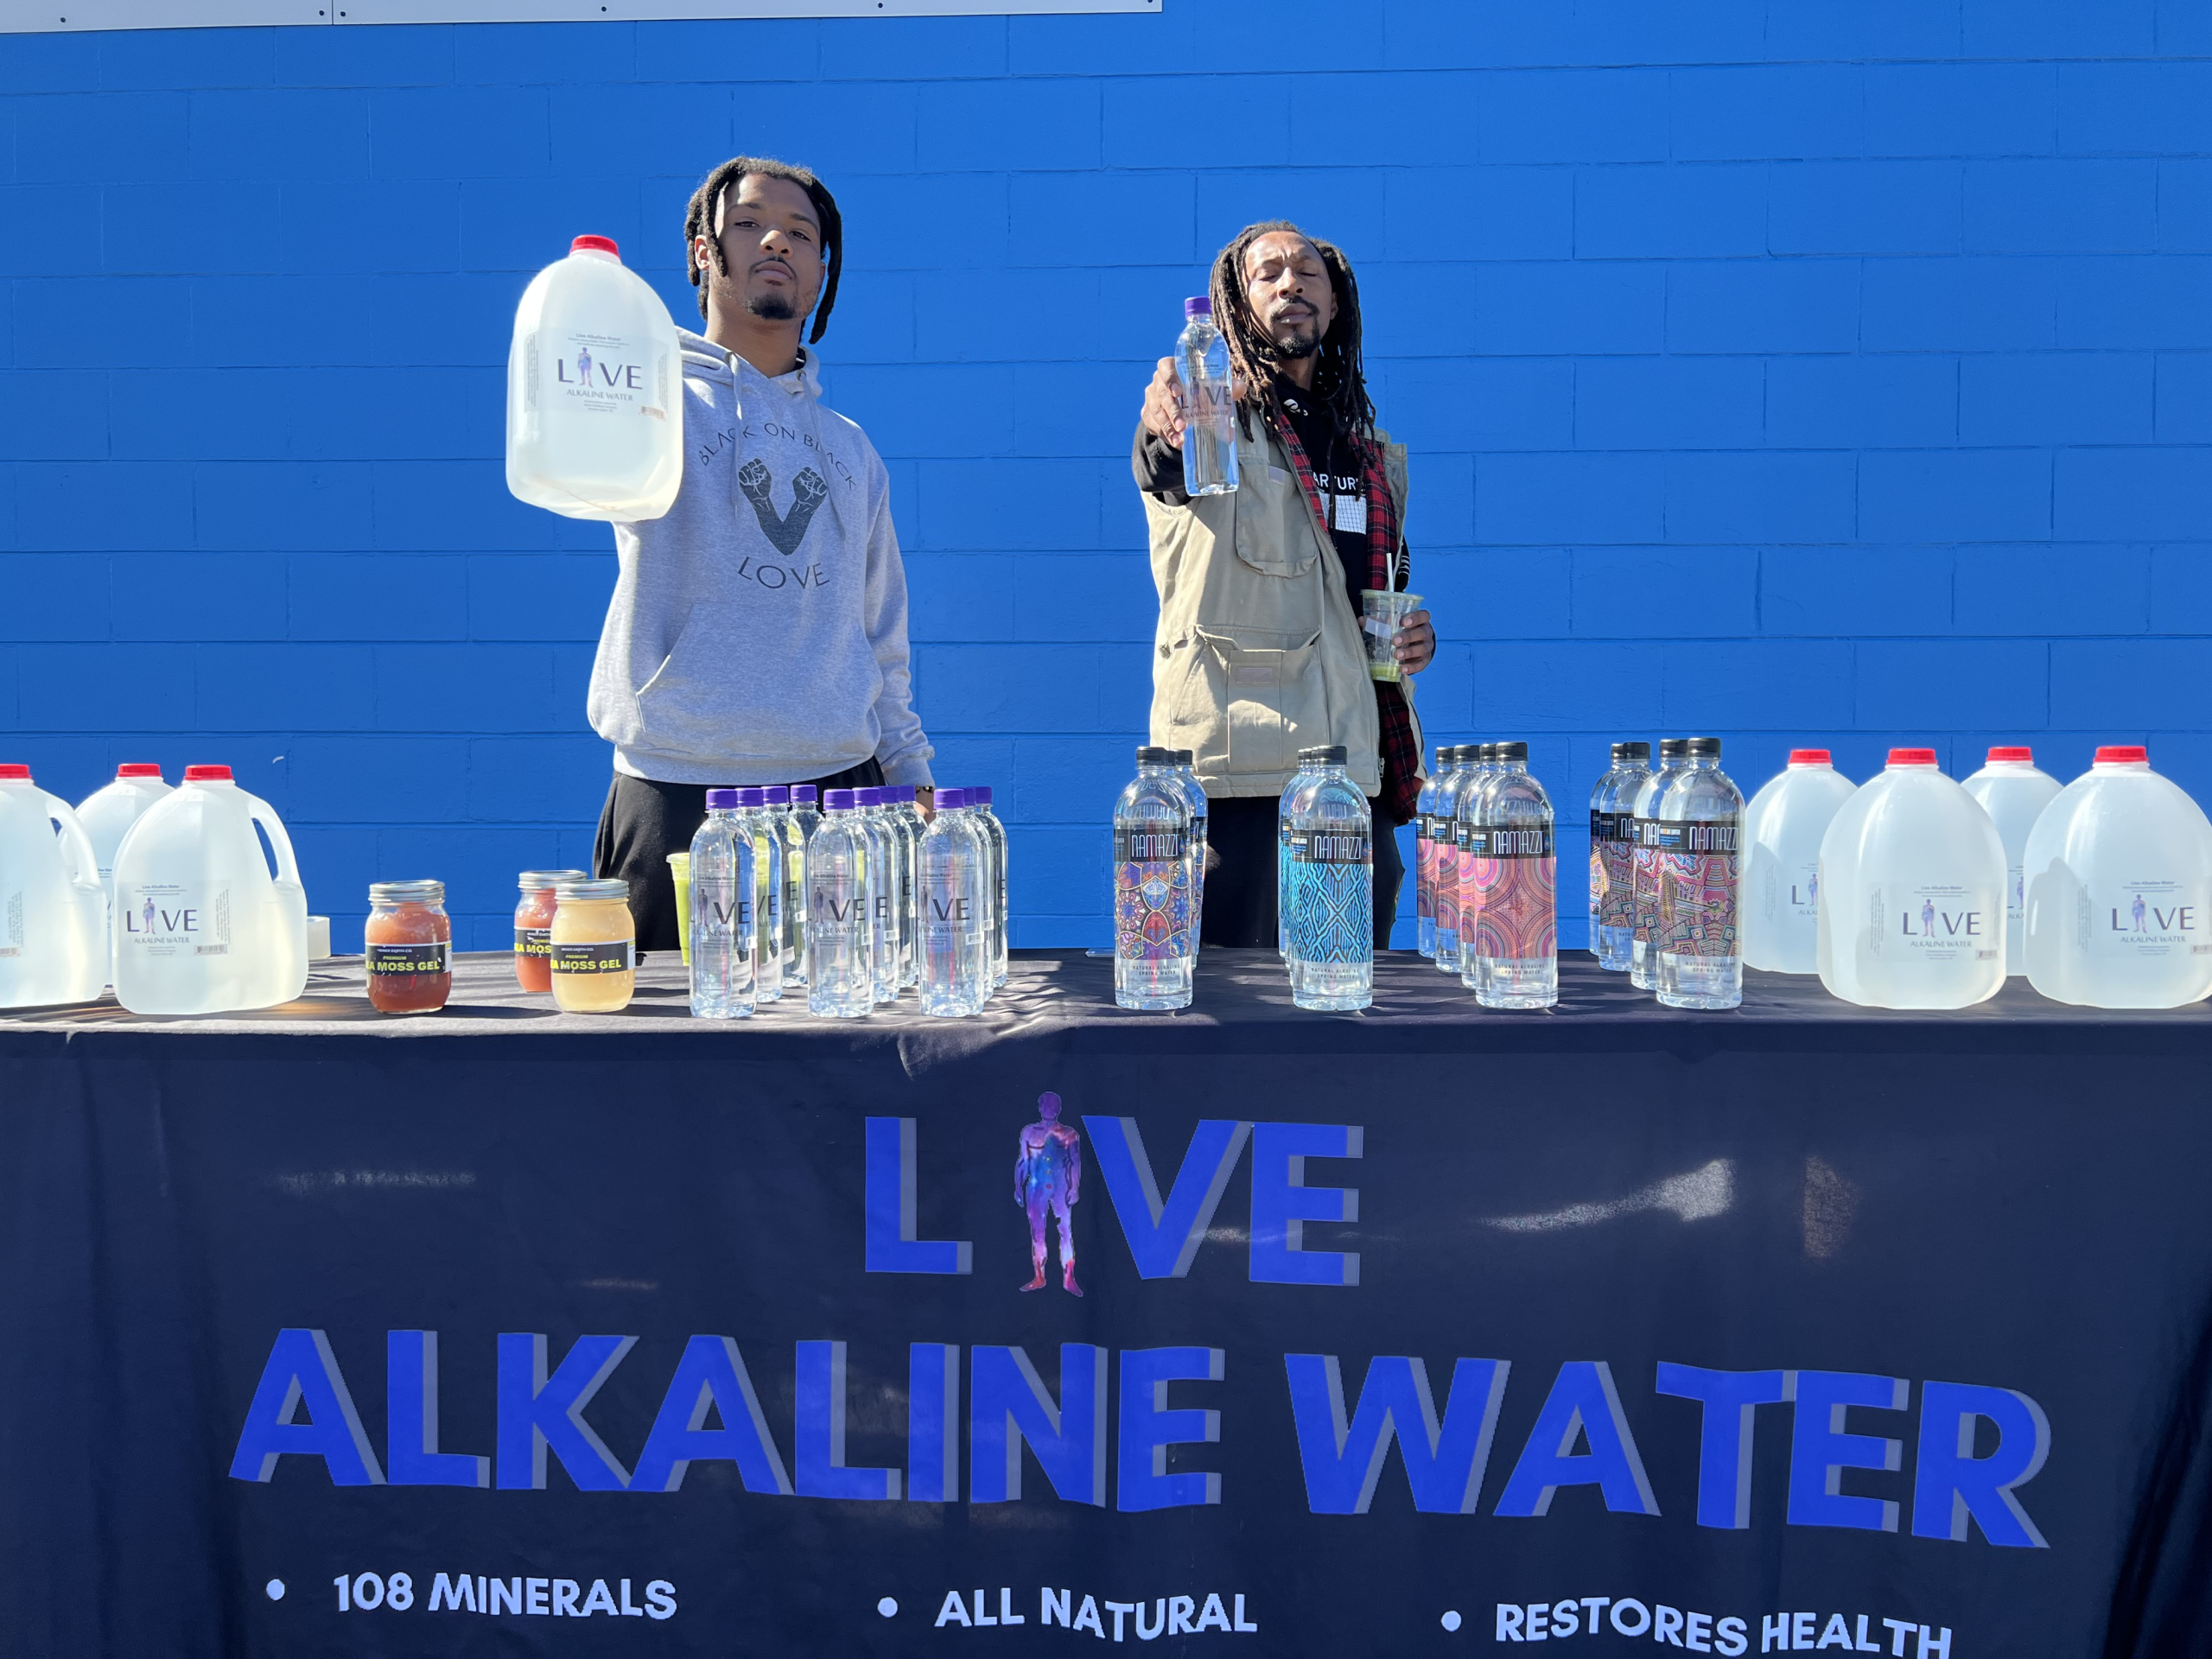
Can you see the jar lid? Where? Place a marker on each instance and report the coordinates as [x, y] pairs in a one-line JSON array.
[[407, 892], [136, 769], [1999, 755], [206, 774], [590, 892], [1810, 758], [538, 880], [1912, 757], [2123, 754]]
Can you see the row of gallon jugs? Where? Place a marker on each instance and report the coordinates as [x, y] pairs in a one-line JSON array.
[[1915, 892], [164, 893]]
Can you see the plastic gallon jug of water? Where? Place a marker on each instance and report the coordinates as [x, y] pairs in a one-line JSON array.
[[201, 924], [595, 391], [1911, 905], [108, 812], [1782, 827], [2119, 890], [2013, 791], [51, 905]]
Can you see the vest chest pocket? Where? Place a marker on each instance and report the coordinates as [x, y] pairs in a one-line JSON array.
[[1269, 694], [1274, 527]]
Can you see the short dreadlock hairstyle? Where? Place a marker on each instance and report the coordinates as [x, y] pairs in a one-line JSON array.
[[1340, 378], [699, 220]]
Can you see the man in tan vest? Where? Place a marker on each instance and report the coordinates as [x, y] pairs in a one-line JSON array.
[[1259, 652]]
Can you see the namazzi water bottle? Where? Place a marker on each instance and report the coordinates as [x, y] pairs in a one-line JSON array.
[[1424, 860], [595, 391], [1644, 870], [1468, 809], [1332, 891], [2119, 890], [1514, 935], [1194, 793], [1699, 836], [2013, 791], [955, 936], [1782, 828], [725, 875], [1612, 856], [1309, 761], [1444, 857], [840, 934], [1153, 882], [1208, 404]]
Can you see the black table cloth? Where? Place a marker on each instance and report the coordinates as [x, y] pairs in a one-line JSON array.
[[1429, 1329]]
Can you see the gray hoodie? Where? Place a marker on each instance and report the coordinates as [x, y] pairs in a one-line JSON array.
[[758, 632]]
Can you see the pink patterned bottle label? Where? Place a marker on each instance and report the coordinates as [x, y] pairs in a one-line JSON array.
[[1425, 868], [1514, 892], [1644, 882], [1614, 858], [1699, 879]]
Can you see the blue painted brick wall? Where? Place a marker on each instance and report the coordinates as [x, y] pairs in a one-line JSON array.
[[1807, 372]]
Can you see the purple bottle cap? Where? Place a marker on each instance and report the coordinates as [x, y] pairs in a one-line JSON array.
[[979, 794], [721, 800], [779, 795], [951, 800], [751, 796], [803, 795], [1198, 305], [899, 794], [870, 795], [837, 800]]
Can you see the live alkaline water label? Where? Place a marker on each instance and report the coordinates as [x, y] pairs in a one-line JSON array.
[[409, 960], [1152, 893], [1699, 876], [166, 919], [1934, 922], [2142, 920], [598, 956]]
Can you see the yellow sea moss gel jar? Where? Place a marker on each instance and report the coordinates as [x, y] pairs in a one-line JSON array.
[[595, 947]]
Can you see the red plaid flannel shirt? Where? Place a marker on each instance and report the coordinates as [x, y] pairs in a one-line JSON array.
[[1401, 750]]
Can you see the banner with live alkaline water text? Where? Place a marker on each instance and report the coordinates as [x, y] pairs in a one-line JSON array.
[[1784, 1342]]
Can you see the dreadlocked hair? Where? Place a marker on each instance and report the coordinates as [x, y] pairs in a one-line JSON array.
[[699, 220], [1339, 378]]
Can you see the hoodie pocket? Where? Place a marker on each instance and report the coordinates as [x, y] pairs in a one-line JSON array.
[[1264, 694], [727, 690]]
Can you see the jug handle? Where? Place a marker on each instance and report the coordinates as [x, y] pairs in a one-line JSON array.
[[79, 845], [288, 867]]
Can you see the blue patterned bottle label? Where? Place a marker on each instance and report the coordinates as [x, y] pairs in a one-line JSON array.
[[1332, 896]]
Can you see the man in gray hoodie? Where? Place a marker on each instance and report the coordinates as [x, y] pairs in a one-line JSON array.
[[758, 632]]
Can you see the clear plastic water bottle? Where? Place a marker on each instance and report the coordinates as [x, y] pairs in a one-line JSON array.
[[994, 833], [900, 809], [724, 931], [1153, 918], [794, 875], [1466, 809], [805, 813], [1194, 796], [1332, 910], [840, 943], [1612, 856], [1425, 859], [1208, 404], [1309, 762], [884, 896], [955, 911], [1700, 834], [1514, 945], [2013, 791], [1644, 873], [1444, 856], [767, 895]]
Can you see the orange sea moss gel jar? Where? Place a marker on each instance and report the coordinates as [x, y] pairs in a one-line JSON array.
[[409, 947]]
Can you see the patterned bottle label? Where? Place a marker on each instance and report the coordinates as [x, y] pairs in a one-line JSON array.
[[1643, 881], [1152, 894], [1332, 896], [1700, 868], [1444, 886], [1513, 903], [1424, 868], [1613, 870]]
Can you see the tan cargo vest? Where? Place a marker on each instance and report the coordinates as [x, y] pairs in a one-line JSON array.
[[1257, 654]]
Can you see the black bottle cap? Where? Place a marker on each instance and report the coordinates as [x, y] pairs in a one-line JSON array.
[[1510, 752], [1674, 748], [1149, 756], [1702, 746], [1638, 751]]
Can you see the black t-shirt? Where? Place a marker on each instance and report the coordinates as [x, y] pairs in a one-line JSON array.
[[1337, 475]]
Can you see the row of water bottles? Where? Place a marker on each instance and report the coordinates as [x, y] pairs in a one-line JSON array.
[[1914, 890], [858, 903], [1485, 875], [164, 893]]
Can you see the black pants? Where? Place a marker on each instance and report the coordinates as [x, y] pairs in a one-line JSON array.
[[1241, 874], [643, 821]]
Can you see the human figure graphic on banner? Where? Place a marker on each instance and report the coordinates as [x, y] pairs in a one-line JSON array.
[[1047, 1179]]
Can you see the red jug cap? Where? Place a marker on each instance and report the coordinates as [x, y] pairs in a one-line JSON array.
[[1912, 757], [8, 769], [1810, 757], [2124, 754], [597, 244], [206, 774], [138, 769], [2014, 752]]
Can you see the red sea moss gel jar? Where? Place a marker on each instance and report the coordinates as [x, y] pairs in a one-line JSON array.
[[534, 926], [409, 947]]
